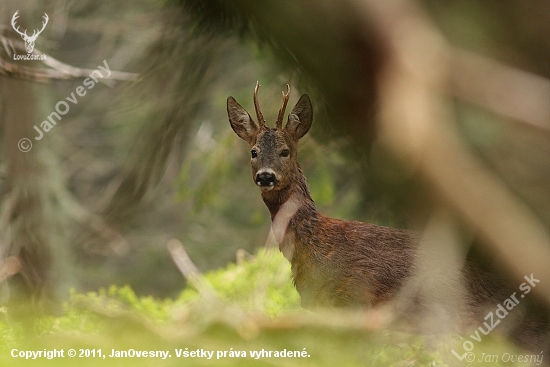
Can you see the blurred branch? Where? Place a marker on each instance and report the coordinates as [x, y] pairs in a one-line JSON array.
[[188, 269], [229, 314], [417, 123], [58, 70], [505, 90]]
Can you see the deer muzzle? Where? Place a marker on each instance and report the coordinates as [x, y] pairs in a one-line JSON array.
[[266, 179]]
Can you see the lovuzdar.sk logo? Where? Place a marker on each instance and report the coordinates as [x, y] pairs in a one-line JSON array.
[[29, 40]]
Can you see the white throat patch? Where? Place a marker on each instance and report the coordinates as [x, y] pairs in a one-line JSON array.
[[280, 224]]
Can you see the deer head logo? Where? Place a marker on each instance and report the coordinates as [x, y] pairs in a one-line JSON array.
[[29, 40]]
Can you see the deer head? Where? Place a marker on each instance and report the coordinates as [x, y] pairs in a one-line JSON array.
[[29, 40], [273, 150]]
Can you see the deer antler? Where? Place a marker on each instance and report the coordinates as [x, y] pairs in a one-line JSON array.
[[24, 34], [283, 108], [36, 33], [16, 28], [261, 120]]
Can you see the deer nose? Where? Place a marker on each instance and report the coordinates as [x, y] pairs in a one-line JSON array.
[[266, 178]]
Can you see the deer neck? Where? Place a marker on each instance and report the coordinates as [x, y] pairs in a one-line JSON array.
[[294, 195], [283, 205]]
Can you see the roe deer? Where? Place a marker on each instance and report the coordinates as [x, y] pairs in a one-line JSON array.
[[348, 263]]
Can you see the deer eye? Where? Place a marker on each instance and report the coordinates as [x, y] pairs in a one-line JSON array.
[[285, 153], [253, 153]]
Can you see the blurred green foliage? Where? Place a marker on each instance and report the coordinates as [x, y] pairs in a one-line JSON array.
[[256, 307], [261, 284]]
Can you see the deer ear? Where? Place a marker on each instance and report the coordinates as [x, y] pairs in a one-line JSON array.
[[299, 120], [241, 122]]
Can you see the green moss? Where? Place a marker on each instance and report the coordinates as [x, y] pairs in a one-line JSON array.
[[261, 284]]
